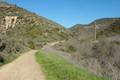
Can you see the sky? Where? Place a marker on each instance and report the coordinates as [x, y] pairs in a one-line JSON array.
[[71, 12]]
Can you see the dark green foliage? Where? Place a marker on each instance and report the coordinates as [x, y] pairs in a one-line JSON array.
[[71, 49], [2, 47], [1, 59], [31, 45], [115, 27]]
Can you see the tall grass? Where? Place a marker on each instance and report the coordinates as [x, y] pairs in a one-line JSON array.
[[56, 68]]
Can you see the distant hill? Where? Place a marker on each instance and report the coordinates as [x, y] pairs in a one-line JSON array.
[[101, 23], [105, 27], [21, 29]]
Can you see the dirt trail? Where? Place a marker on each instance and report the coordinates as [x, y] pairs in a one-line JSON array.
[[23, 68]]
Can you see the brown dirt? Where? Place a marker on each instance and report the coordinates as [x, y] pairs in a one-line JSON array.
[[23, 68]]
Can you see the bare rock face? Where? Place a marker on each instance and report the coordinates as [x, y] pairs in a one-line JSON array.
[[7, 22], [10, 21]]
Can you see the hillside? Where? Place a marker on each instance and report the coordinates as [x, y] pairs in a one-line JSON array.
[[99, 56], [21, 30], [96, 50]]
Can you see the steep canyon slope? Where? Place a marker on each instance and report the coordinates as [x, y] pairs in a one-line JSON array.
[[21, 30]]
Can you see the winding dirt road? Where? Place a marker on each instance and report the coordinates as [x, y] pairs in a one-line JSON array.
[[23, 68]]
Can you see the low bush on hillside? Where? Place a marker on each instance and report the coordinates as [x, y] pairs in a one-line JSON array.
[[101, 57], [31, 45], [10, 48], [21, 38], [71, 48]]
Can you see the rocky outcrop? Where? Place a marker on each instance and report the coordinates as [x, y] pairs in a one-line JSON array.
[[10, 21], [7, 22]]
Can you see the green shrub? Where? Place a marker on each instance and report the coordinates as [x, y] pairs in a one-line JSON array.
[[31, 45], [71, 49], [10, 48]]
